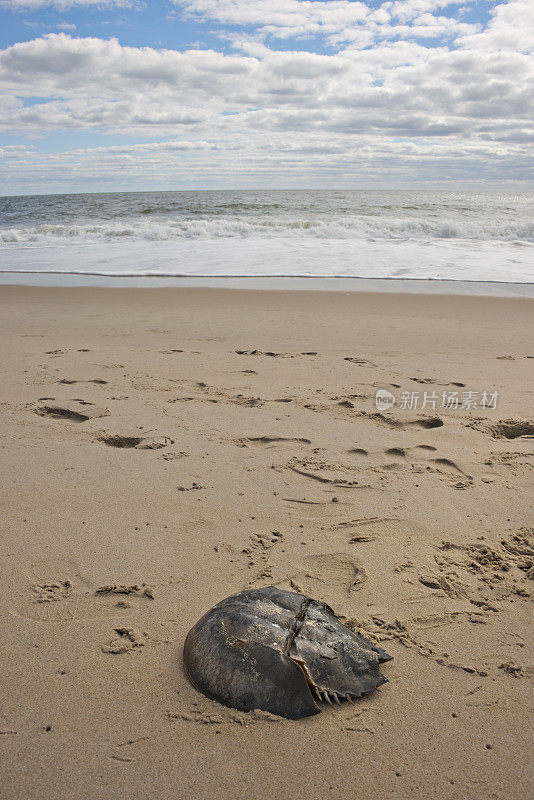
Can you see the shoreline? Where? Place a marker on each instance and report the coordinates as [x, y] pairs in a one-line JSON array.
[[431, 286]]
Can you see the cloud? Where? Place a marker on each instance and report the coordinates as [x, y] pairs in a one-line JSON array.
[[511, 29], [16, 151], [146, 147], [337, 20], [33, 5], [202, 164], [397, 104]]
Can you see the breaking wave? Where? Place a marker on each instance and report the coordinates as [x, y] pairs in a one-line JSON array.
[[482, 236], [241, 227]]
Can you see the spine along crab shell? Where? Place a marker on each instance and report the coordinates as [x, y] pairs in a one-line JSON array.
[[281, 652]]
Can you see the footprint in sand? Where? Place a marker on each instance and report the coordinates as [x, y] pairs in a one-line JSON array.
[[52, 592], [75, 410], [269, 441], [242, 400], [136, 440], [140, 590], [201, 712], [411, 459], [436, 382], [262, 353], [57, 591], [260, 543], [505, 429], [449, 466], [423, 423], [324, 573], [499, 572], [411, 591], [362, 362], [422, 594], [391, 551], [69, 381], [519, 463], [125, 640], [339, 476], [359, 452], [272, 354]]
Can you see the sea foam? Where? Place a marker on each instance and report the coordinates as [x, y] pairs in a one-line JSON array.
[[440, 235]]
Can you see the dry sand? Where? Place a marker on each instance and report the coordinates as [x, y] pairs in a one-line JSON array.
[[150, 469]]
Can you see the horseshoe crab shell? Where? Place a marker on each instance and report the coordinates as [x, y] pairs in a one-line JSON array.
[[281, 652]]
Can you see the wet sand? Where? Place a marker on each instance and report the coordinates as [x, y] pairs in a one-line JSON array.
[[163, 448]]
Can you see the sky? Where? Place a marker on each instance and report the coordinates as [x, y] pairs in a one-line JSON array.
[[120, 95]]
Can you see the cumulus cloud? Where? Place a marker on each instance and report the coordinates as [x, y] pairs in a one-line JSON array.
[[94, 83], [397, 104], [337, 20]]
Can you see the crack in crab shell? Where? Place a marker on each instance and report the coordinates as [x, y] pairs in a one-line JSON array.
[[271, 649]]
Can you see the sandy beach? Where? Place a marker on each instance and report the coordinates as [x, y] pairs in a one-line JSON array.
[[164, 448]]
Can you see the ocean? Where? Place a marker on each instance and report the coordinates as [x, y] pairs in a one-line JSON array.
[[467, 236]]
